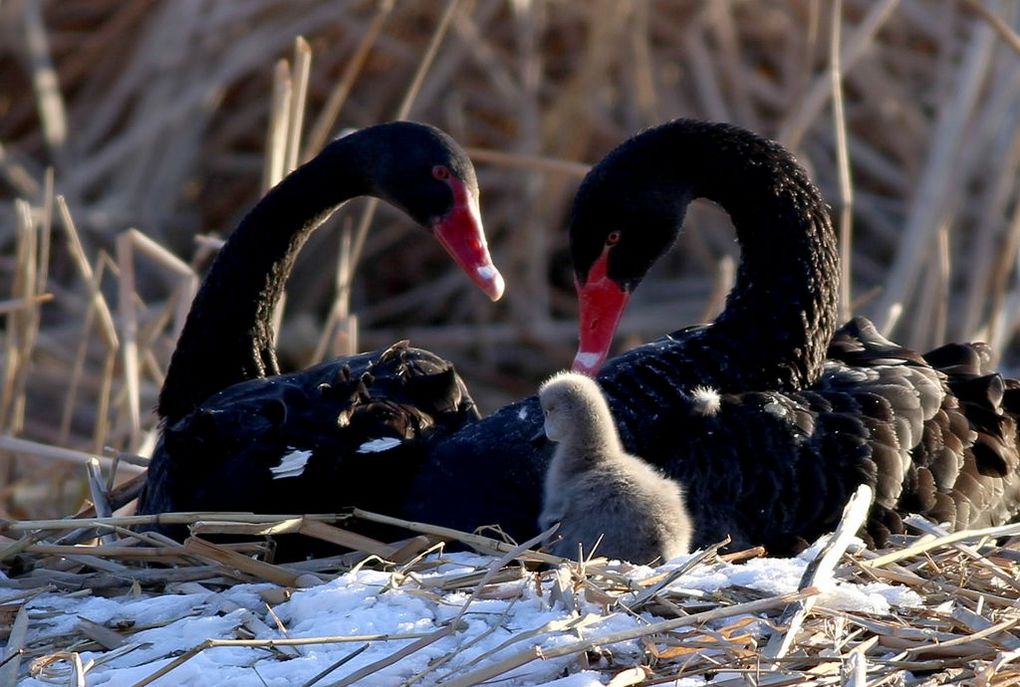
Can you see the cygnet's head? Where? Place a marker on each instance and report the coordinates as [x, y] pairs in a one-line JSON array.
[[570, 402]]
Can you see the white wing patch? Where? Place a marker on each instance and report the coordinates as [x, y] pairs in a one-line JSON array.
[[522, 414], [379, 445], [291, 464]]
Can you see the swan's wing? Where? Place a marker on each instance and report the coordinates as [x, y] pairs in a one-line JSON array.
[[338, 434], [776, 468], [952, 424]]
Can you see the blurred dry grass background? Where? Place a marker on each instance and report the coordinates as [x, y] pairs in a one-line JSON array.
[[132, 134]]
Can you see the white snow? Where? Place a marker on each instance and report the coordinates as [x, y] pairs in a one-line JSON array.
[[379, 445], [360, 605]]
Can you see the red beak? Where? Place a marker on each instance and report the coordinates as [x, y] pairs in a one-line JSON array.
[[460, 233], [601, 302]]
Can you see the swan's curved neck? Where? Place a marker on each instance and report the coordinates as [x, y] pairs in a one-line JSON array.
[[781, 312], [228, 336]]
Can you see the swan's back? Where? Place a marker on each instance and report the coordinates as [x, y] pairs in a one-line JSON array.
[[343, 433], [939, 440]]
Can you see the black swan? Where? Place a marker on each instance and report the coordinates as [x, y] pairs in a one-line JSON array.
[[604, 499], [628, 212], [237, 434], [767, 436], [768, 417]]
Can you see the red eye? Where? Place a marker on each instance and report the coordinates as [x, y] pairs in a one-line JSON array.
[[440, 172], [613, 238]]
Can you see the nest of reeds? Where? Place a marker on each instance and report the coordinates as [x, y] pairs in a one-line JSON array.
[[952, 617]]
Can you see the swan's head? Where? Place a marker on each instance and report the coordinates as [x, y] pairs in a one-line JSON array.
[[423, 171], [573, 405], [627, 213]]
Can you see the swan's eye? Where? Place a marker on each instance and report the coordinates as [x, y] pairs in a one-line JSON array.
[[613, 238], [441, 172]]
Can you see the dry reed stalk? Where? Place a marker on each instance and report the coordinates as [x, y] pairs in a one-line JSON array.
[[97, 309], [854, 49], [12, 305], [129, 336], [1002, 321], [22, 324], [341, 301], [534, 163], [1005, 31], [279, 122], [484, 544], [12, 652], [844, 223], [819, 571], [268, 643], [330, 113], [401, 653], [528, 656], [52, 112], [942, 540], [939, 171], [233, 560], [299, 94], [337, 664]]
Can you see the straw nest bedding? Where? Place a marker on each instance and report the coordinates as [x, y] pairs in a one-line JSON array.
[[946, 611]]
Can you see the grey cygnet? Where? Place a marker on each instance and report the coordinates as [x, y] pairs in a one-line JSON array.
[[594, 488]]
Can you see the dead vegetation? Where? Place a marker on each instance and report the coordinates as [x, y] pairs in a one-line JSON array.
[[134, 135], [963, 632]]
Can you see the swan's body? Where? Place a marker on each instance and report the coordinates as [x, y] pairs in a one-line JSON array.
[[237, 434], [604, 498], [804, 413], [799, 415]]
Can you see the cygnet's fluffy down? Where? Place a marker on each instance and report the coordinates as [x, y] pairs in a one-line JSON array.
[[593, 488]]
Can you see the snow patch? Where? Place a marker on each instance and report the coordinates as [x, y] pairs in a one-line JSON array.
[[366, 602]]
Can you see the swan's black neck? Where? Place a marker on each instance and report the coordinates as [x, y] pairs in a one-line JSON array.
[[781, 313], [228, 336]]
